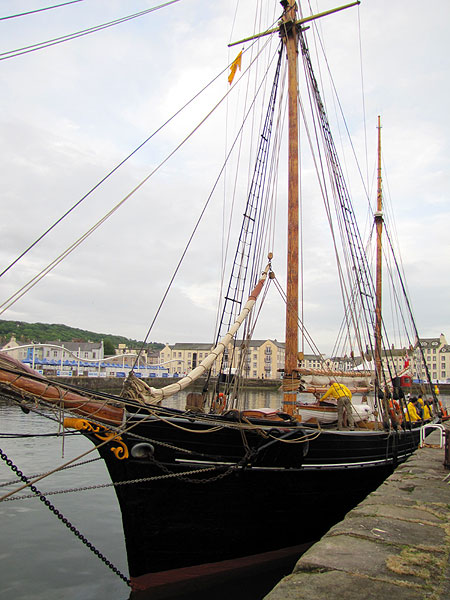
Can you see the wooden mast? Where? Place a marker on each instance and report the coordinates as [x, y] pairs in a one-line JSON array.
[[378, 283], [288, 30]]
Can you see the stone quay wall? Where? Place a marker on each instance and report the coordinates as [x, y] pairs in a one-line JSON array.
[[113, 385], [394, 544]]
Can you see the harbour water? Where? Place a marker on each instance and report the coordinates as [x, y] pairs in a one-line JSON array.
[[39, 557]]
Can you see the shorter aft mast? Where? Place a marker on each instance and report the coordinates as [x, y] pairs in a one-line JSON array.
[[378, 283]]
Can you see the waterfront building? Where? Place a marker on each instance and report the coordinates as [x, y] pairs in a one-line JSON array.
[[263, 358], [396, 360], [180, 358], [146, 356], [55, 351], [436, 353], [83, 350], [14, 349], [313, 361]]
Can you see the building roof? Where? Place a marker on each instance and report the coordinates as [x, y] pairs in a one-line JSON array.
[[75, 346], [258, 343], [395, 352], [199, 346], [190, 346], [430, 342]]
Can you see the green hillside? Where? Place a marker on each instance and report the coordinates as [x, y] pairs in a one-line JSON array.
[[26, 333]]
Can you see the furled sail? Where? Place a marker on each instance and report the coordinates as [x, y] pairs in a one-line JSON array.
[[157, 394], [27, 383], [323, 377]]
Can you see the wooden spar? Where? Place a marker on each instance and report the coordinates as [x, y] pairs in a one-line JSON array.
[[289, 31], [378, 288], [25, 382], [321, 389], [219, 349], [28, 383], [299, 22]]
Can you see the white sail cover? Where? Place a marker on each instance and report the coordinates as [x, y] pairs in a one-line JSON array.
[[206, 364], [357, 378]]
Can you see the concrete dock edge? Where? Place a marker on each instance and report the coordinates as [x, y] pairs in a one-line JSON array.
[[394, 544]]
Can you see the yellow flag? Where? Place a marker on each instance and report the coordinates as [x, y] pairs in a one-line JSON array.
[[234, 65]]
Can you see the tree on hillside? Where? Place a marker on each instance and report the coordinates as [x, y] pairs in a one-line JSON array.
[[108, 347]]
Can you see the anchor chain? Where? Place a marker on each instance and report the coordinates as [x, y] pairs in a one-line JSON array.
[[63, 519], [36, 475], [180, 476], [169, 475]]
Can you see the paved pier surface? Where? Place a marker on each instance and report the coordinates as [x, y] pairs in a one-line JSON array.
[[394, 545]]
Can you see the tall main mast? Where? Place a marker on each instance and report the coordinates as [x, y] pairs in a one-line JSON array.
[[288, 30]]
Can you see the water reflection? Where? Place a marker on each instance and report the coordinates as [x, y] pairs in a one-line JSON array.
[[39, 557], [250, 399], [253, 582]]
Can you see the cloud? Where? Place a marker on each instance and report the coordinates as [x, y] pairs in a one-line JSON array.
[[74, 111]]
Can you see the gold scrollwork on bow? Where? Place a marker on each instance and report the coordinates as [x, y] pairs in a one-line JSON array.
[[102, 433]]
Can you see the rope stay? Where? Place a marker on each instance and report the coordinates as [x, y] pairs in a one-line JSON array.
[[360, 304], [62, 518], [77, 34], [251, 224], [357, 266]]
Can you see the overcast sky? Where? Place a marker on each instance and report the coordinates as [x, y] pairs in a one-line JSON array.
[[73, 111]]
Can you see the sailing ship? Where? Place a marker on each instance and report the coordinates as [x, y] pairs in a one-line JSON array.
[[217, 481]]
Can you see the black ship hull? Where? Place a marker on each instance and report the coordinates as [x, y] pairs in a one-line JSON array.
[[200, 497]]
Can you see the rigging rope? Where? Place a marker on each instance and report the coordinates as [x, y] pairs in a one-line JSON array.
[[33, 281], [216, 182], [252, 218], [120, 164], [37, 10], [358, 271], [62, 518], [72, 36]]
